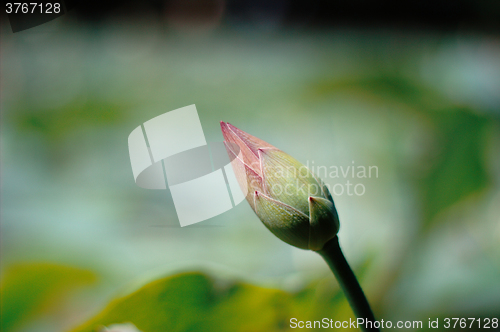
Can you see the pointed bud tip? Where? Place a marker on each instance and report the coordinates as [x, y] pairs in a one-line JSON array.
[[313, 199], [225, 130]]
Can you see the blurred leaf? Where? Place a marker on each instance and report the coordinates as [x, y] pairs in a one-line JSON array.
[[457, 170], [196, 302], [28, 289], [55, 123], [385, 88]]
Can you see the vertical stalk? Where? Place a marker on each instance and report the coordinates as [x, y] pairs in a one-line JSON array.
[[335, 259]]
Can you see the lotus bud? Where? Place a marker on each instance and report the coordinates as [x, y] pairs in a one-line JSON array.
[[289, 199]]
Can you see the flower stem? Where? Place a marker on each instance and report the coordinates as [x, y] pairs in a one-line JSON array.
[[335, 259]]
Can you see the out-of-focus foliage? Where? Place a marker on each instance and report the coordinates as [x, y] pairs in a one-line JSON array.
[[57, 122], [198, 302], [29, 290]]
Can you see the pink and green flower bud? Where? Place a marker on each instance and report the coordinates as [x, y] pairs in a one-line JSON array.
[[289, 199]]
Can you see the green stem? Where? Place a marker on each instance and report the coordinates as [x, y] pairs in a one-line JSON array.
[[333, 255]]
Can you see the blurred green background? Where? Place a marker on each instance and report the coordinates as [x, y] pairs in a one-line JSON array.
[[77, 233]]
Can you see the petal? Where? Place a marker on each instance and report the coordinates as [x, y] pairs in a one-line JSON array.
[[324, 189], [324, 222], [287, 180], [287, 223], [246, 154], [248, 180], [253, 143]]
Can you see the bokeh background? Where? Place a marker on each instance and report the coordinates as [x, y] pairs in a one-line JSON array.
[[413, 90]]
